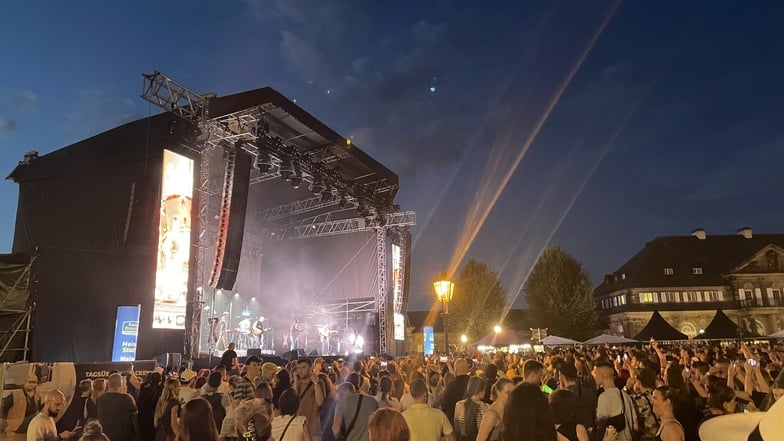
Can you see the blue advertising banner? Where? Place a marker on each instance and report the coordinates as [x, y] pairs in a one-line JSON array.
[[430, 340], [126, 329]]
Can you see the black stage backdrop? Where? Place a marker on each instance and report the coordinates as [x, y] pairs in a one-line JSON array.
[[90, 212]]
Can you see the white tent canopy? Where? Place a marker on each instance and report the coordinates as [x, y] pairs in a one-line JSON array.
[[779, 334], [554, 340], [609, 339]]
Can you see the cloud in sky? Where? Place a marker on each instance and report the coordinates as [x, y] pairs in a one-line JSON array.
[[7, 125], [98, 110]]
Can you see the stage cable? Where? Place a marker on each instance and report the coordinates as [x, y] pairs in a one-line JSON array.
[[323, 290]]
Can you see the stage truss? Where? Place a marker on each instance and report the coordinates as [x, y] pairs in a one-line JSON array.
[[254, 130]]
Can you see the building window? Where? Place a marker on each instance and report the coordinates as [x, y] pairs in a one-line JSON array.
[[711, 296], [690, 296], [615, 301], [748, 294], [697, 270], [773, 261], [670, 296], [689, 329], [668, 271], [646, 297], [775, 295], [623, 299]]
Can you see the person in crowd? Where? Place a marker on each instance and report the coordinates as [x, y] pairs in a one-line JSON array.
[[263, 395], [352, 412], [492, 424], [252, 421], [564, 408], [398, 385], [489, 375], [407, 400], [527, 416], [91, 406], [19, 407], [721, 401], [669, 429], [227, 430], [455, 390], [426, 423], [147, 399], [42, 427], [613, 407], [282, 383], [197, 422], [224, 386], [388, 425], [167, 410], [188, 386], [686, 411], [288, 426], [93, 431], [384, 398], [243, 389], [117, 411], [219, 402], [469, 411], [533, 373], [311, 394], [268, 372], [586, 393], [74, 415], [643, 402]]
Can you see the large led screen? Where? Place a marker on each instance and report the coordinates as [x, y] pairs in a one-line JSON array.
[[171, 277], [397, 277]]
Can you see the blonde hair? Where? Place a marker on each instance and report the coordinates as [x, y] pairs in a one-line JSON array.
[[169, 391]]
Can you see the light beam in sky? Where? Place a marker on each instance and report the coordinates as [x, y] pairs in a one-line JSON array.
[[489, 191]]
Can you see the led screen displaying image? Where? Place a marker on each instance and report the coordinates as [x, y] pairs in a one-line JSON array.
[[174, 238]]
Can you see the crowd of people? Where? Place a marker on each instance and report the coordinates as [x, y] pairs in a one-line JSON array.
[[654, 392]]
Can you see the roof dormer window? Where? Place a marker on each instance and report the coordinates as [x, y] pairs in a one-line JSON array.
[[696, 270], [668, 271]]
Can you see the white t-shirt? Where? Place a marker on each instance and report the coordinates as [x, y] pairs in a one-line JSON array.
[[609, 405], [295, 432], [42, 428]]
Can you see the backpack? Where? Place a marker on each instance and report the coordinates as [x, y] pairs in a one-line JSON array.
[[648, 425]]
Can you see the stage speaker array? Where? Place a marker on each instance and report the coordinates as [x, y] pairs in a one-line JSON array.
[[231, 217]]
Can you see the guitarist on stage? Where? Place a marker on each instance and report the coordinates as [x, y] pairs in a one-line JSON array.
[[258, 331], [294, 332]]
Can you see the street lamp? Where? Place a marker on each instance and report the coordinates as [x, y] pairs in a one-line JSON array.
[[497, 329], [444, 289]]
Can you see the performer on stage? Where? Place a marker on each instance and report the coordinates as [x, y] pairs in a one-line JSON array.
[[294, 332], [323, 332], [258, 332], [223, 328]]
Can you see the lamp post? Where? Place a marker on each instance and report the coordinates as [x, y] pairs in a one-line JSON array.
[[444, 289]]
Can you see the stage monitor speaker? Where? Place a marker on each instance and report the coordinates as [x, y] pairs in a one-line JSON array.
[[169, 361], [231, 219], [293, 355], [256, 352]]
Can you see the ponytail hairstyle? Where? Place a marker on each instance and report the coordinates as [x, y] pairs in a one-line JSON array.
[[498, 387], [385, 386], [476, 385]]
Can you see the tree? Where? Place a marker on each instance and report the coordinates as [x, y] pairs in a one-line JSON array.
[[560, 296], [477, 303]]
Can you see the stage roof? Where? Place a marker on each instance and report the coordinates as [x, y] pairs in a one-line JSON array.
[[293, 125]]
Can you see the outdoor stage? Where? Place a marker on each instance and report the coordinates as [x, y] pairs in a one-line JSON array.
[[245, 205]]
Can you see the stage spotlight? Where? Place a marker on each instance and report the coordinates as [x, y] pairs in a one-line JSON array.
[[220, 291], [236, 294], [253, 299], [263, 162], [296, 181], [343, 201], [286, 170], [317, 187]]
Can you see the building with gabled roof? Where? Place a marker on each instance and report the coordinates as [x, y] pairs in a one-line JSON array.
[[688, 278]]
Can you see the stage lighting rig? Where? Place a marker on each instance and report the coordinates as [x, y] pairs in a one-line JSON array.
[[286, 169], [318, 187], [264, 162]]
